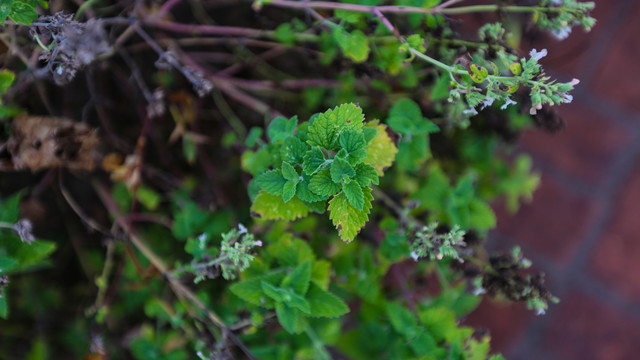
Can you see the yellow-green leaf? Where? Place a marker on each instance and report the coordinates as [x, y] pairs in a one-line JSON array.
[[272, 207], [346, 218], [381, 151]]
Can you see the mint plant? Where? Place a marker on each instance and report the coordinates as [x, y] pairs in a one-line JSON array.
[[335, 157], [362, 143]]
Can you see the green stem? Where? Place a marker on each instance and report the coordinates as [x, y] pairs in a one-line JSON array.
[[321, 351], [87, 4], [327, 5]]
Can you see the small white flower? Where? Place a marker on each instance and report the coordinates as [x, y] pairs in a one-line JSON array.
[[574, 82], [202, 237], [479, 291], [487, 102], [507, 103], [561, 33], [556, 2], [540, 311], [567, 98], [471, 111], [535, 54], [414, 256], [258, 243], [243, 230]]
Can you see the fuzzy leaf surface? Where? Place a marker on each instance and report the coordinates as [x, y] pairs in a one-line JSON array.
[[288, 171], [298, 279], [293, 150], [280, 128], [273, 207], [326, 128], [347, 219], [322, 184], [325, 304], [289, 190], [366, 174], [340, 168], [354, 194], [272, 182], [381, 151], [287, 316], [313, 160]]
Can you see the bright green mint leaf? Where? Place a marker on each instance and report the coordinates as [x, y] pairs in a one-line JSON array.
[[272, 182], [402, 320], [440, 321], [28, 255], [412, 153], [289, 172], [281, 128], [341, 168], [406, 118], [353, 143], [22, 13], [280, 295], [253, 136], [326, 128], [289, 190], [481, 216], [352, 140], [321, 273], [275, 293], [304, 192], [322, 184], [354, 45], [273, 207], [290, 251], [313, 160], [6, 77], [354, 194], [381, 151], [287, 316], [366, 174], [293, 150], [369, 133], [440, 89], [347, 219], [256, 163], [298, 279], [324, 304], [284, 34], [477, 349]]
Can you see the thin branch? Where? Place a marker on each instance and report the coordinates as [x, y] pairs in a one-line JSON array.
[[178, 288]]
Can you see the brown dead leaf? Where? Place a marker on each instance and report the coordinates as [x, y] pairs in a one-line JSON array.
[[40, 142]]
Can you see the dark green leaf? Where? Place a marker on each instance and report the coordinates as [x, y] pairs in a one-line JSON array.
[[281, 128], [341, 168], [354, 194], [289, 190], [299, 278], [322, 184], [293, 150], [289, 172], [323, 303], [272, 182], [366, 174], [287, 316]]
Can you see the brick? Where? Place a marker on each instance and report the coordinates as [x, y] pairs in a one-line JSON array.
[[567, 57], [615, 257], [585, 328], [616, 77], [506, 323], [586, 146], [553, 224]]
